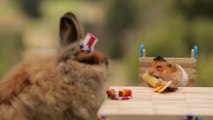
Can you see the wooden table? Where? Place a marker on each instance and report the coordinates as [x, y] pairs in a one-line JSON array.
[[147, 105]]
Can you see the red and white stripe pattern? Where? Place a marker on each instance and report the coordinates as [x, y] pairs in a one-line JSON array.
[[88, 43]]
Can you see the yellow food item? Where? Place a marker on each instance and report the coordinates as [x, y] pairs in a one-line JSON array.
[[165, 86], [162, 87], [159, 87], [154, 82]]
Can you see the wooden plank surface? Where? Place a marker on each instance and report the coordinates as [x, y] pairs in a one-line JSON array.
[[175, 59], [147, 105], [184, 62]]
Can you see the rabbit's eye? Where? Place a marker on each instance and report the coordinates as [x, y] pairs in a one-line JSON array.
[[89, 60]]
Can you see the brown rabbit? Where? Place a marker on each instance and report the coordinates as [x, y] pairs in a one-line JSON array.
[[56, 85]]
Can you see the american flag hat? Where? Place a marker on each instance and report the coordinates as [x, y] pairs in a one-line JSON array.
[[89, 42]]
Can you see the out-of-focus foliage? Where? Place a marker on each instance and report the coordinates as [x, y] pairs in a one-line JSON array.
[[8, 50], [192, 9], [121, 17], [31, 7]]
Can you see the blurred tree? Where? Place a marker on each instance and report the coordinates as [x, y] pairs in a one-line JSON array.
[[198, 16], [121, 16], [195, 8], [31, 7], [10, 48]]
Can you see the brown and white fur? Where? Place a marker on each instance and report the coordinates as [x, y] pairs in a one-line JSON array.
[[66, 84], [169, 71]]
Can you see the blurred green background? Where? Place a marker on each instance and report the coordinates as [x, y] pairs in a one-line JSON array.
[[168, 28]]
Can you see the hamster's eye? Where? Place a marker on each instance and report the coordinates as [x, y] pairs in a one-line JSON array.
[[169, 65], [159, 66]]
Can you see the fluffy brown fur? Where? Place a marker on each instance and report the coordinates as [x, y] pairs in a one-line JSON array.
[[55, 85]]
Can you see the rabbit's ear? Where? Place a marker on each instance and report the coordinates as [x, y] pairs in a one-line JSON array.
[[69, 29]]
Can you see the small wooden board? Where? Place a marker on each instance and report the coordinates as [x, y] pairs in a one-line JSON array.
[[147, 105]]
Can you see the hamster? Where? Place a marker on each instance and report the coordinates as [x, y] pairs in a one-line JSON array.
[[168, 71]]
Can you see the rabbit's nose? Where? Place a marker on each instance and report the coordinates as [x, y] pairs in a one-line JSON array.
[[107, 62]]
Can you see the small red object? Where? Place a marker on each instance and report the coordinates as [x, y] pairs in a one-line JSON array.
[[111, 93], [129, 92], [123, 94]]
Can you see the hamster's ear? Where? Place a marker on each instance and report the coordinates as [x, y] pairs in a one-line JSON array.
[[69, 29]]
